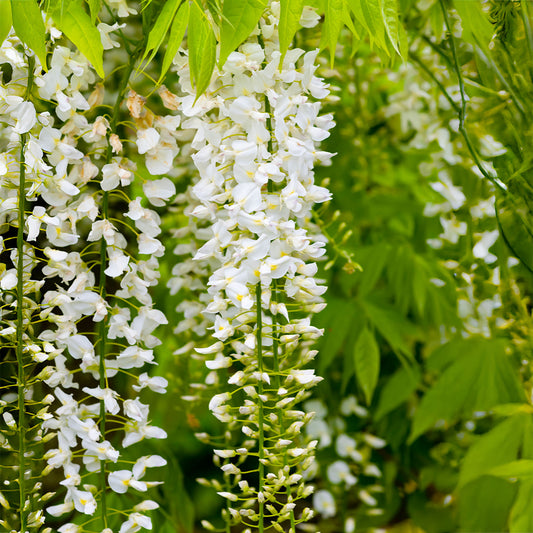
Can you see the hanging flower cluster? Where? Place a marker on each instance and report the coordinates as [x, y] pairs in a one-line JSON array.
[[66, 180], [434, 121], [20, 398], [256, 132]]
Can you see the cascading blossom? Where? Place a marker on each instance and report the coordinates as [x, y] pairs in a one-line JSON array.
[[85, 328], [256, 135]]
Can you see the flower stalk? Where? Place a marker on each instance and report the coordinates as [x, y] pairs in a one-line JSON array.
[[103, 326], [261, 415], [21, 322], [21, 378]]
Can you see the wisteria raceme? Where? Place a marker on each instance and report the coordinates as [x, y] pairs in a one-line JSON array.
[[20, 399], [257, 128], [436, 121], [96, 317]]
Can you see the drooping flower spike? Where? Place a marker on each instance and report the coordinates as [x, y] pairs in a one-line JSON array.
[[256, 135], [91, 315]]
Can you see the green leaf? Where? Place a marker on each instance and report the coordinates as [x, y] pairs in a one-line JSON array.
[[215, 8], [400, 274], [389, 11], [239, 19], [94, 8], [516, 222], [366, 357], [477, 28], [369, 15], [348, 361], [420, 284], [373, 260], [397, 390], [76, 24], [509, 409], [497, 454], [349, 23], [6, 20], [480, 377], [158, 32], [332, 26], [177, 32], [29, 27], [484, 505], [429, 516], [202, 49], [514, 469], [391, 325], [521, 517], [289, 19], [336, 320], [497, 447]]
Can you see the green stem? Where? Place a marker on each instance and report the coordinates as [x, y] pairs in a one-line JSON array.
[[277, 384], [462, 126], [20, 326], [462, 112], [102, 350], [261, 443], [275, 342], [21, 374], [102, 330]]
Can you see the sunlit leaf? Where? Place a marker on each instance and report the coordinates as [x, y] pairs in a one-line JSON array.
[[370, 16], [239, 18], [477, 28], [177, 32], [160, 29], [389, 10], [94, 8], [76, 24], [521, 516], [484, 504], [289, 18], [6, 20], [202, 49], [29, 26], [332, 25], [498, 447], [514, 469]]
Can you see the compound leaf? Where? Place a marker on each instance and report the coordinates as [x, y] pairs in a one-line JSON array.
[[177, 32], [76, 24], [289, 18], [29, 26], [239, 18], [160, 29], [202, 49], [6, 19]]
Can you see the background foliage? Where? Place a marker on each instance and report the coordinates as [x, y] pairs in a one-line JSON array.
[[428, 324]]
